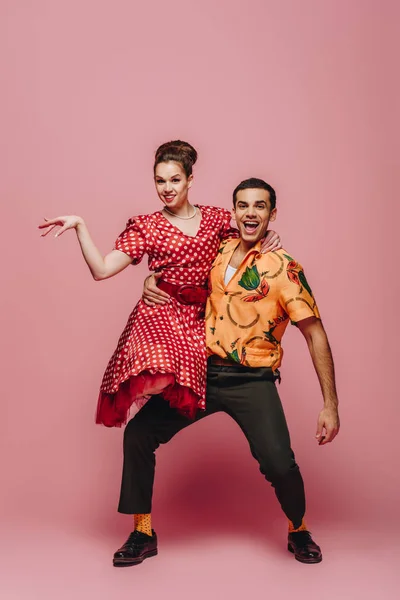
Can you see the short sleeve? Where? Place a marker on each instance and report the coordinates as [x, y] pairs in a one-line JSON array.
[[227, 231], [132, 241], [295, 294]]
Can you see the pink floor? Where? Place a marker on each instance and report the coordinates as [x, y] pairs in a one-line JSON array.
[[46, 562]]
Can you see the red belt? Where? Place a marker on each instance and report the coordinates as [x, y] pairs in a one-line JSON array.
[[185, 293]]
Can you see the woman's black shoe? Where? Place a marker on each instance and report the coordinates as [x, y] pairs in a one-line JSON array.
[[303, 547], [137, 547]]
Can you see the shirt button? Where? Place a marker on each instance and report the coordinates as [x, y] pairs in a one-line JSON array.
[[221, 318]]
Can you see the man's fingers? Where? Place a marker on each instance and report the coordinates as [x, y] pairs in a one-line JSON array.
[[330, 436], [150, 286], [335, 432], [158, 293], [147, 302], [152, 294], [331, 433], [154, 297], [320, 427], [327, 436], [155, 300]]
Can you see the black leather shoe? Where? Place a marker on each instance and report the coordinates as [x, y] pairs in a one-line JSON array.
[[303, 547], [137, 547]]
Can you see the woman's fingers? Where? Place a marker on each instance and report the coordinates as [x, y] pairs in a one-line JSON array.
[[48, 231], [57, 221], [50, 224], [276, 245], [271, 242], [61, 231], [64, 223]]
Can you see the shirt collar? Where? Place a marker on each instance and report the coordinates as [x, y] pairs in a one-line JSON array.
[[227, 255], [255, 250]]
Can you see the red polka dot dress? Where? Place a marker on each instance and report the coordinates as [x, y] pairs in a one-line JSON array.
[[162, 348]]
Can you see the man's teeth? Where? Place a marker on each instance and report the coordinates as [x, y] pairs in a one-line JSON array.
[[250, 225]]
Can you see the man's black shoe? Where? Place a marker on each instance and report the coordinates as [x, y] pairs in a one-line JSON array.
[[303, 547], [137, 547]]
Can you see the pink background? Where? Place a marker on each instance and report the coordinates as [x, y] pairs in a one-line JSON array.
[[303, 94]]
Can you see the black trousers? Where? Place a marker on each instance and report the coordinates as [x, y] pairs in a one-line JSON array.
[[250, 397]]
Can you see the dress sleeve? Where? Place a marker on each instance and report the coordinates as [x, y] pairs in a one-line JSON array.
[[296, 297], [132, 241], [227, 231]]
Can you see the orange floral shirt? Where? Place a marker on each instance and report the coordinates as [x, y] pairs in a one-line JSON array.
[[246, 319]]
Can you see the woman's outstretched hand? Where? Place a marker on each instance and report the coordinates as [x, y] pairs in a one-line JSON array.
[[65, 223], [99, 266], [271, 242]]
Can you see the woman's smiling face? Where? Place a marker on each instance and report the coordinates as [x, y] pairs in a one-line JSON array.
[[172, 185]]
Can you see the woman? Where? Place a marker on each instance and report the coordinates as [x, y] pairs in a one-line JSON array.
[[162, 348]]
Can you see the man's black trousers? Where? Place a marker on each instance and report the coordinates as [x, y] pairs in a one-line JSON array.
[[250, 397]]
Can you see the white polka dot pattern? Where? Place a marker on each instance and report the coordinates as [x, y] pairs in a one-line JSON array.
[[166, 339]]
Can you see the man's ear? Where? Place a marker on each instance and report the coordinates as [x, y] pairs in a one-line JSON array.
[[233, 213], [272, 215]]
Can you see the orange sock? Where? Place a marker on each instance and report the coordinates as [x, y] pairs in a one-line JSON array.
[[143, 523], [303, 527]]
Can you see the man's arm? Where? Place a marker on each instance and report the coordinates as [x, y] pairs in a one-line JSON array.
[[321, 355]]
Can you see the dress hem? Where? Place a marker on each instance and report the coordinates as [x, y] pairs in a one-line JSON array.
[[113, 408]]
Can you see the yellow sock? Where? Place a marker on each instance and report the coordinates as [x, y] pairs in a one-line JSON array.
[[303, 527], [143, 523]]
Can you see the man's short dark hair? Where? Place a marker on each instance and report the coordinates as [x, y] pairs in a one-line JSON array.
[[254, 183]]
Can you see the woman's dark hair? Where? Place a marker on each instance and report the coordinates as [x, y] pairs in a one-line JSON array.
[[254, 183], [177, 151]]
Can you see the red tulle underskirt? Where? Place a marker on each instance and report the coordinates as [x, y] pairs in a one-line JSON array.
[[113, 409]]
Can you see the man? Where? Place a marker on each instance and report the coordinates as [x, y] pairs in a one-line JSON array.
[[252, 298]]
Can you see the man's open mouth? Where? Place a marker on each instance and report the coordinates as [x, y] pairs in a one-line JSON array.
[[250, 226]]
